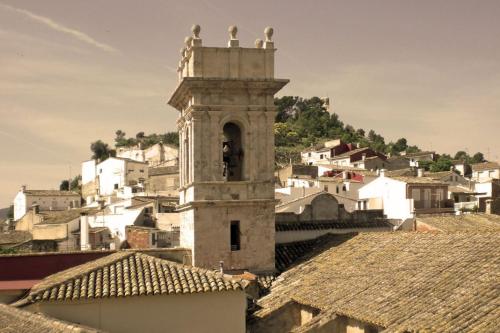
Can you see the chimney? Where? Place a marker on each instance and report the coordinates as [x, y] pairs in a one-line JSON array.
[[382, 172], [35, 208], [84, 232], [420, 172]]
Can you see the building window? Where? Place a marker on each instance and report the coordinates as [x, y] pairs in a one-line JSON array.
[[141, 170], [415, 194], [153, 238], [309, 155], [116, 186], [337, 189], [325, 188], [344, 188], [235, 235], [321, 156]]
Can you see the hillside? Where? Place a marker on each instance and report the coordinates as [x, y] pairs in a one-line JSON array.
[[300, 123]]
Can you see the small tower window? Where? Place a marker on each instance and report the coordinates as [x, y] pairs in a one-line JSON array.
[[235, 236]]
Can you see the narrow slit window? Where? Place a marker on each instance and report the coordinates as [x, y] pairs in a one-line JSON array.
[[235, 236]]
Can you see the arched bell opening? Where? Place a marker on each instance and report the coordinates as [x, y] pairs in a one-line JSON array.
[[232, 152]]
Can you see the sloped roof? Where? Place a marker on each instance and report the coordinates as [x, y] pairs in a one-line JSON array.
[[50, 193], [460, 189], [63, 216], [324, 225], [351, 152], [420, 153], [13, 237], [402, 281], [485, 166], [417, 180], [407, 172], [439, 175], [13, 320], [125, 274], [464, 222]]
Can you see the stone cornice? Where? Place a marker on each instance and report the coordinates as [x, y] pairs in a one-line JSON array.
[[190, 85]]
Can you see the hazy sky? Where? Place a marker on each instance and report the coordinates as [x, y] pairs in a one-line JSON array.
[[75, 71]]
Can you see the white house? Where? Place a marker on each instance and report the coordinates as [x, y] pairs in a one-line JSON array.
[[403, 197], [112, 177], [45, 199], [485, 171]]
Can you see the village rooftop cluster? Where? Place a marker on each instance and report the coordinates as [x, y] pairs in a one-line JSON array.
[[209, 237]]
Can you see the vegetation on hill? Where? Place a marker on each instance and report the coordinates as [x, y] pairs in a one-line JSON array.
[[146, 141], [302, 123]]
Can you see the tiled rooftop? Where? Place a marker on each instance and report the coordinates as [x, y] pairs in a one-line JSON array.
[[464, 222], [485, 166], [63, 216], [125, 274], [51, 193], [13, 320], [417, 180], [403, 281], [14, 237], [323, 225]]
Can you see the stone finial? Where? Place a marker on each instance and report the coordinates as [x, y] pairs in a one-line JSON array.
[[188, 40], [233, 41], [268, 31], [233, 30], [269, 44], [259, 43], [196, 30]]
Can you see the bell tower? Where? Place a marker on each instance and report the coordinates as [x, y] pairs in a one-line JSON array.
[[225, 99]]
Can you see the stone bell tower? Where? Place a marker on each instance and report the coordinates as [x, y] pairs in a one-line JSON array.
[[225, 97]]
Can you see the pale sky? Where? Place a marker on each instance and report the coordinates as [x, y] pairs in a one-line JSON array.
[[75, 71]]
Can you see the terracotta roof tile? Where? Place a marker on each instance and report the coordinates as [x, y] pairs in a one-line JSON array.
[[464, 222], [14, 237], [485, 166], [402, 281], [128, 274], [51, 193]]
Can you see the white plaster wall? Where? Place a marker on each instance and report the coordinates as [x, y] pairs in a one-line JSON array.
[[393, 195], [88, 171], [198, 312], [187, 229], [110, 172], [116, 223], [485, 187], [485, 175], [134, 153], [19, 205]]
